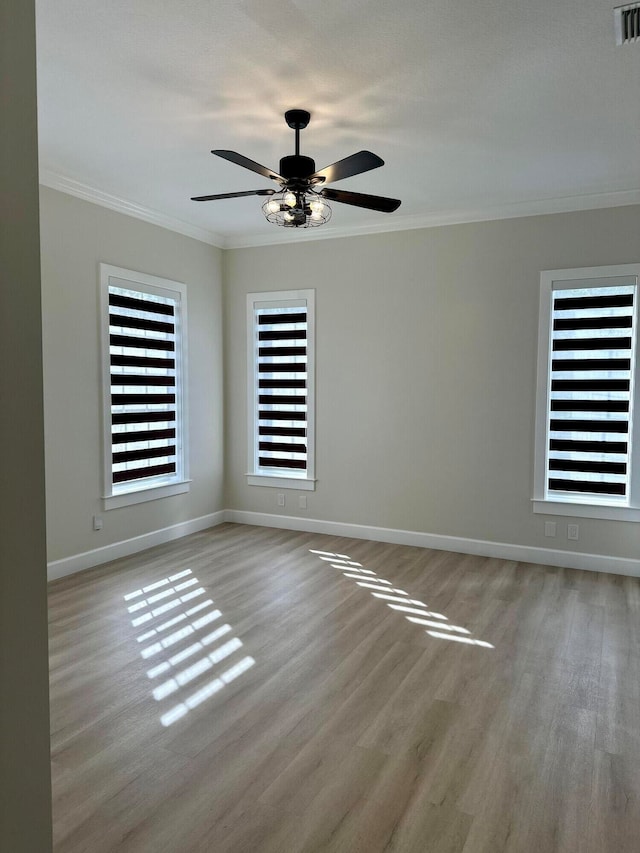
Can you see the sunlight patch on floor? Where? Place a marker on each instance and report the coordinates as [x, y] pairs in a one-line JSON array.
[[398, 599], [193, 624]]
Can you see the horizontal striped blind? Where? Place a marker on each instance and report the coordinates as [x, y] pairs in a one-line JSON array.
[[144, 386], [281, 387], [591, 377]]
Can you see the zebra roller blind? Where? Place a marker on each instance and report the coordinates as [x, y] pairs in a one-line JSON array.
[[282, 387], [282, 384], [591, 393], [145, 387]]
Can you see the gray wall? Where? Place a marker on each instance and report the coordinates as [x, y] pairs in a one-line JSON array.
[[25, 797], [76, 237], [426, 365]]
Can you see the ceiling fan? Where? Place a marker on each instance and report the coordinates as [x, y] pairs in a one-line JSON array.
[[301, 200]]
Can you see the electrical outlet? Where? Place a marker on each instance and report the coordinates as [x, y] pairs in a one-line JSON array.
[[280, 500], [97, 522], [302, 501], [550, 528], [572, 531]]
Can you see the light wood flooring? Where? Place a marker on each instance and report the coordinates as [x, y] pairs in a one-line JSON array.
[[295, 710]]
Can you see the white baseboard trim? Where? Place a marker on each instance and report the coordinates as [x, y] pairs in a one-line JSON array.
[[501, 550], [90, 559], [480, 547]]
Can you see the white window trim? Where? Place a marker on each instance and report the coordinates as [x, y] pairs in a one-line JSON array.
[[142, 492], [572, 508], [305, 481], [303, 484]]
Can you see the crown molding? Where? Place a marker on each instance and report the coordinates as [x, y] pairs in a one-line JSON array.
[[56, 181], [283, 236], [537, 207]]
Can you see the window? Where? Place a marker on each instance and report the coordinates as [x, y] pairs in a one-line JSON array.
[[144, 333], [587, 459], [281, 389]]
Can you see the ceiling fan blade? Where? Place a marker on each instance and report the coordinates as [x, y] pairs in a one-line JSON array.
[[371, 202], [231, 195], [240, 160], [357, 163]]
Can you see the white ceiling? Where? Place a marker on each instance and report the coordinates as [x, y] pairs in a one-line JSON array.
[[480, 108]]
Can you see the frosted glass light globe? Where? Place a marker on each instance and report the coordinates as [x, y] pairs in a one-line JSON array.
[[317, 208]]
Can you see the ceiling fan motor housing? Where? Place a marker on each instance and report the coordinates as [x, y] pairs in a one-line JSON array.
[[297, 167]]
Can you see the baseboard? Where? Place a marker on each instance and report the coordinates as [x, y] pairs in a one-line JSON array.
[[501, 550], [89, 559], [480, 547]]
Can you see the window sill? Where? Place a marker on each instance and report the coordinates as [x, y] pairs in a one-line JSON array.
[[300, 483], [580, 510], [144, 494]]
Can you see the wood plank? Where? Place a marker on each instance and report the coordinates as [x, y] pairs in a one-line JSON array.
[[354, 729]]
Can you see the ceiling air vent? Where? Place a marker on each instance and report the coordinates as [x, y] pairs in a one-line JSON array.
[[627, 23]]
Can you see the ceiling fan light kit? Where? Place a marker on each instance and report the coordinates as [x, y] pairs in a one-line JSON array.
[[297, 210], [301, 201]]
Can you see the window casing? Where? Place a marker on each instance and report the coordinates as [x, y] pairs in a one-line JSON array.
[[280, 383], [144, 411], [587, 453]]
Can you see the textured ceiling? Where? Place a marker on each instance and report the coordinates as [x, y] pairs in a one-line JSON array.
[[475, 105]]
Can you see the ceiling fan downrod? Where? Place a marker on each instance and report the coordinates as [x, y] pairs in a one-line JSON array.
[[297, 168]]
